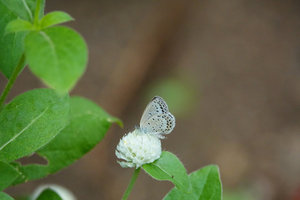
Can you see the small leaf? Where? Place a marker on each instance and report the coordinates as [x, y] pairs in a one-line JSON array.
[[87, 127], [30, 121], [25, 9], [206, 184], [53, 18], [169, 167], [57, 55], [4, 196], [11, 44], [48, 194], [18, 25], [8, 175]]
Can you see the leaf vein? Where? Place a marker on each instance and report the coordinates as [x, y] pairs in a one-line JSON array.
[[27, 9], [17, 135], [179, 183], [52, 48]]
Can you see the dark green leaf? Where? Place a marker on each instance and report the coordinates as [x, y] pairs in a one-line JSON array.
[[169, 167], [87, 127], [18, 25], [53, 18], [4, 196], [11, 45], [57, 55], [8, 174], [25, 9], [206, 184], [30, 121], [49, 194]]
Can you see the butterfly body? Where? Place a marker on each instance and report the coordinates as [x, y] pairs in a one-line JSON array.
[[156, 119]]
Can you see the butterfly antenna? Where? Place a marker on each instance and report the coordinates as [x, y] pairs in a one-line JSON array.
[[135, 127]]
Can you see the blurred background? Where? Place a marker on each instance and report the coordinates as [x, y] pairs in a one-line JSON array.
[[229, 71]]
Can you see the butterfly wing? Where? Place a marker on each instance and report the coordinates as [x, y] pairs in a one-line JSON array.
[[156, 118], [159, 124], [156, 106]]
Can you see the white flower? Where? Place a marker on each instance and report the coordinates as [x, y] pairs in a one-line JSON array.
[[138, 148]]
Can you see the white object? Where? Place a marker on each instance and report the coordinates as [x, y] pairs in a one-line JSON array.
[[156, 119], [137, 149], [64, 193]]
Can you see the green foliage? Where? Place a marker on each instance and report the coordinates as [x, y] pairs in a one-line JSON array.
[[11, 44], [168, 167], [4, 196], [50, 123], [53, 18], [18, 25], [57, 55], [24, 9], [40, 111], [48, 194], [8, 175], [206, 184], [87, 127]]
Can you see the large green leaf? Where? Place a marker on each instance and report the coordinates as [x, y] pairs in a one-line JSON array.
[[8, 174], [206, 184], [30, 121], [168, 167], [4, 196], [25, 9], [57, 55], [48, 194], [87, 127], [11, 45]]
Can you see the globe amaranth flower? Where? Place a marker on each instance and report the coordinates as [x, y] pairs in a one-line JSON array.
[[138, 148]]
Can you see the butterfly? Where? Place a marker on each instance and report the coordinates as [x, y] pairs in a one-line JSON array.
[[156, 119]]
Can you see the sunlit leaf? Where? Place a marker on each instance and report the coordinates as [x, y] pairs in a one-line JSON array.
[[30, 121]]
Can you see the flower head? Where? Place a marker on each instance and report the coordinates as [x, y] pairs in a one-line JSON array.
[[137, 148]]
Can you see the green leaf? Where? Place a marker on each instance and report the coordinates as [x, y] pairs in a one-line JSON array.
[[87, 127], [30, 121], [57, 55], [11, 44], [206, 184], [53, 18], [4, 196], [169, 167], [8, 175], [18, 25], [49, 194], [25, 9]]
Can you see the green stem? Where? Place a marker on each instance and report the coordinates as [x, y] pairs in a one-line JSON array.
[[12, 79], [130, 186], [37, 12]]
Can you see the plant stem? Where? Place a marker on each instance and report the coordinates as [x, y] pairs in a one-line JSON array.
[[130, 186], [37, 13], [12, 79]]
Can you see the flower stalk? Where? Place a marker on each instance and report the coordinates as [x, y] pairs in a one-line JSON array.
[[131, 184], [12, 79]]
